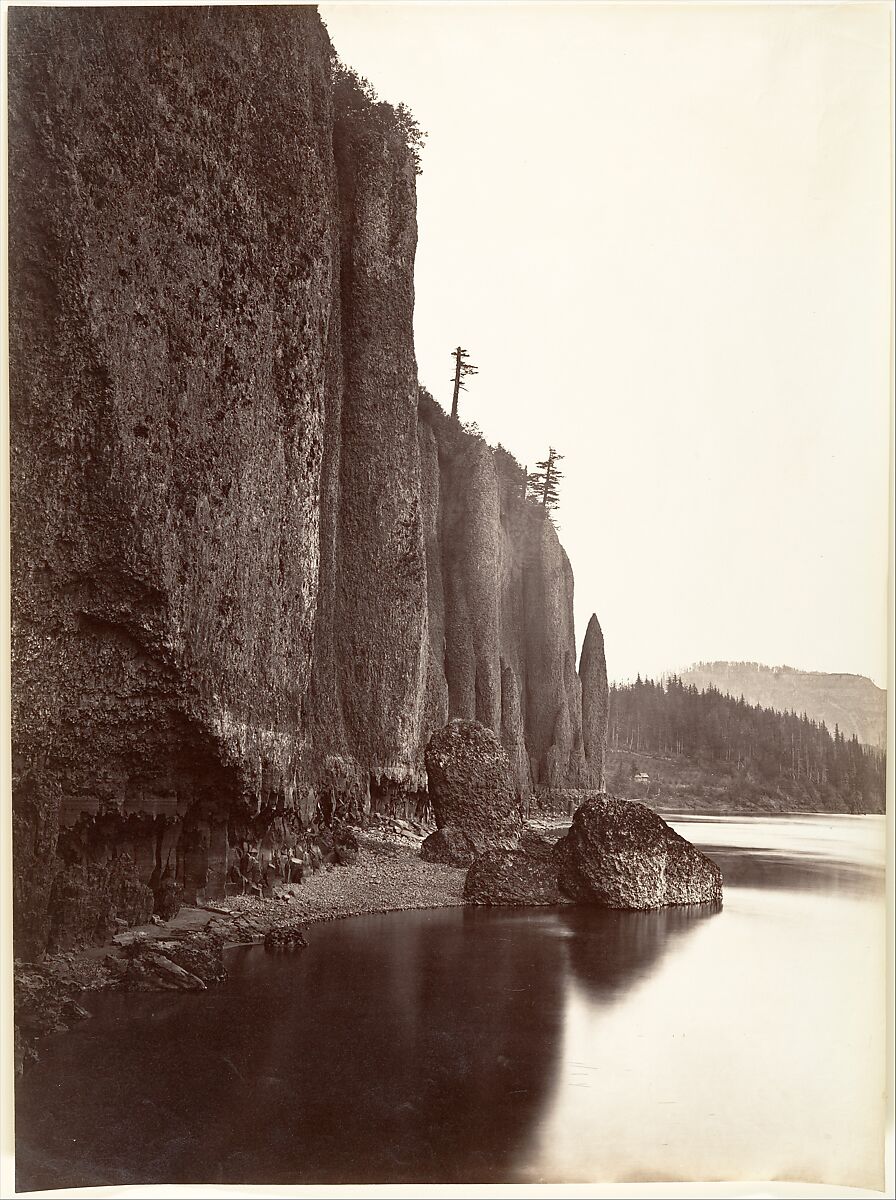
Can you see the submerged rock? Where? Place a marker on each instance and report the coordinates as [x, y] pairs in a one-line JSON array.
[[512, 877], [620, 854], [471, 787], [448, 845]]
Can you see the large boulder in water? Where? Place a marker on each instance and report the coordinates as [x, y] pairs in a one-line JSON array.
[[448, 845], [470, 785], [513, 877], [620, 854]]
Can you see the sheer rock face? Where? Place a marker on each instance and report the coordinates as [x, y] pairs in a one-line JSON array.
[[436, 701], [220, 581], [620, 854], [174, 268], [35, 830], [168, 402], [470, 785], [86, 901], [595, 702], [248, 583], [553, 690], [472, 522], [381, 597], [501, 602], [512, 733]]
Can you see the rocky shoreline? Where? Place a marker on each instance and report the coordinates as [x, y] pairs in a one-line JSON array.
[[618, 854], [187, 952]]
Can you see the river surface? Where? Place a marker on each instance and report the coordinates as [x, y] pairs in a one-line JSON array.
[[524, 1045]]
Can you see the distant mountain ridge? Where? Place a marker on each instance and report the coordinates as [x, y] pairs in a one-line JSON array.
[[853, 702]]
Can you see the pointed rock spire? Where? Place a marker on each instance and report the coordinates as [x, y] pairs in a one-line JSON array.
[[595, 701]]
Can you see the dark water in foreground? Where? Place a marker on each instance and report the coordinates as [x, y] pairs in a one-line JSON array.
[[469, 1045]]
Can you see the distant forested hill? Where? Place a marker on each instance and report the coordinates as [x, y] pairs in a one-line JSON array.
[[673, 743], [852, 702]]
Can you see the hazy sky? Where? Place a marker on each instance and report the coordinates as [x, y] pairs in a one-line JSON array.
[[663, 233]]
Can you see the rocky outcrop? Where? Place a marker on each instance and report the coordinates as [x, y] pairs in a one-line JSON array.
[[512, 877], [380, 560], [153, 971], [620, 854], [35, 831], [345, 847], [501, 599], [88, 901], [167, 896], [188, 963], [174, 260], [513, 736], [252, 570], [450, 846], [553, 689], [286, 937], [595, 703], [470, 785]]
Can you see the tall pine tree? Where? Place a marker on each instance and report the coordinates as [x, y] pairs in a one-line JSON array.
[[544, 481]]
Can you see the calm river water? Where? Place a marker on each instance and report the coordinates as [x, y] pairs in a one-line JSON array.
[[527, 1045]]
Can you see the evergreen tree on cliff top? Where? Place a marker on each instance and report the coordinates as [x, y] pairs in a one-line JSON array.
[[544, 481], [462, 368]]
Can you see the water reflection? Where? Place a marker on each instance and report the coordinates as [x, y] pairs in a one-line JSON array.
[[825, 853], [486, 1046], [610, 951], [417, 1047], [766, 867]]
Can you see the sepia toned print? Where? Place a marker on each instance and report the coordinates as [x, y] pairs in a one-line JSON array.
[[448, 525]]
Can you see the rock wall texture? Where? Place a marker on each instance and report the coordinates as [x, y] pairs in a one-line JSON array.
[[502, 646], [618, 854], [595, 702], [251, 572], [470, 785], [621, 854]]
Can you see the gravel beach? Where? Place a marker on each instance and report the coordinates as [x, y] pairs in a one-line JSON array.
[[384, 879]]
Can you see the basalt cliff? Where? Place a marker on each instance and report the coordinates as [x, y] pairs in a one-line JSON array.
[[254, 566]]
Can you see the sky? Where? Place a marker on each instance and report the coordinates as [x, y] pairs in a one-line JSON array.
[[663, 234]]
